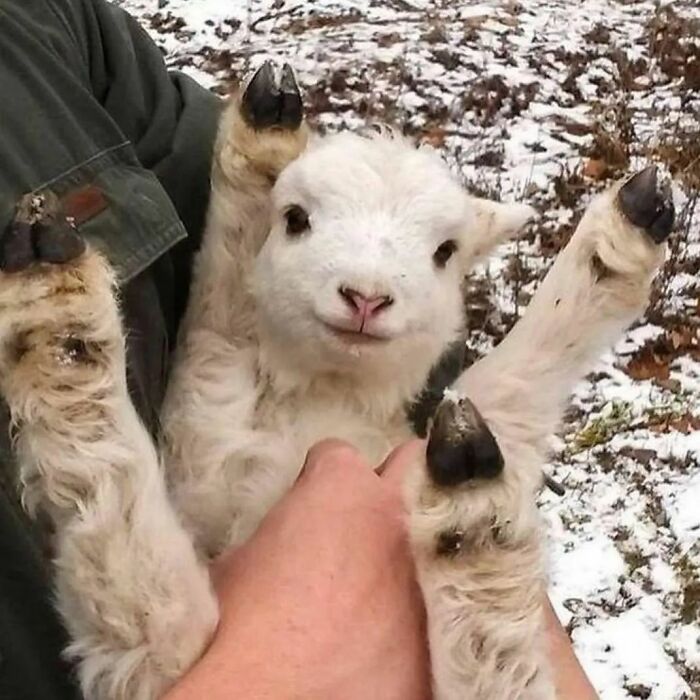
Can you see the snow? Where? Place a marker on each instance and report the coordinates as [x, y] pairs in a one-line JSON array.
[[621, 649], [596, 564], [519, 95], [683, 508]]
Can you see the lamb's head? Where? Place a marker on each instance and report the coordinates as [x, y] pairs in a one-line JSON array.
[[362, 271]]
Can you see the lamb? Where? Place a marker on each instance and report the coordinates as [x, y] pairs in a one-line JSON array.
[[327, 287]]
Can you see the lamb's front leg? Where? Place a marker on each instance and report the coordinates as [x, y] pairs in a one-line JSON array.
[[221, 470], [136, 601], [475, 526]]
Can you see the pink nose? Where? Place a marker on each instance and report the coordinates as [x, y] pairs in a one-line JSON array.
[[362, 306]]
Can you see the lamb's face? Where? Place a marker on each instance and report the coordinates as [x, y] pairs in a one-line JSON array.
[[362, 270]]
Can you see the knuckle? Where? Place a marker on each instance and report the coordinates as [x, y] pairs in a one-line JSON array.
[[330, 452], [334, 456]]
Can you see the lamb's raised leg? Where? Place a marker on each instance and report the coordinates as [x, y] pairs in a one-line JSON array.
[[475, 526], [136, 601], [215, 384]]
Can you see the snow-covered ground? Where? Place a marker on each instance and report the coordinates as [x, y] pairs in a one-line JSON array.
[[545, 101]]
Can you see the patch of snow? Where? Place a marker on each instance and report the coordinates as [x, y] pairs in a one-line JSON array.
[[682, 504], [620, 653]]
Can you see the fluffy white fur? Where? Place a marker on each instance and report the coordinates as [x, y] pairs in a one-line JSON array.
[[484, 604], [136, 600], [260, 375], [247, 399]]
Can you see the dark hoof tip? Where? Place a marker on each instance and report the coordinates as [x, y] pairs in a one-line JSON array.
[[39, 236], [292, 110], [16, 248], [267, 104], [461, 447], [58, 243], [645, 206]]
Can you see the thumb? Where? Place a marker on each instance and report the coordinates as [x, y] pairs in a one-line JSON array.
[[394, 468]]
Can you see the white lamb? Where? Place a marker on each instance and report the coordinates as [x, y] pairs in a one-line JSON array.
[[328, 285]]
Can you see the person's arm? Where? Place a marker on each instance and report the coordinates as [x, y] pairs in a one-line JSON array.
[[570, 679], [322, 602]]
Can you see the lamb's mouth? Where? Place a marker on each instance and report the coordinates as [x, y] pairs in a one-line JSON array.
[[350, 337]]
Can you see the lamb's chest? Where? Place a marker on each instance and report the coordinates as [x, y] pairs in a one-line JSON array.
[[304, 425]]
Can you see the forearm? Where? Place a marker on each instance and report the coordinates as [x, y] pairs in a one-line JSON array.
[[230, 671], [241, 666], [569, 677], [258, 652]]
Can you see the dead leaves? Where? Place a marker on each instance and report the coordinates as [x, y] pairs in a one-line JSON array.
[[653, 360], [434, 136], [649, 364], [681, 422], [595, 168]]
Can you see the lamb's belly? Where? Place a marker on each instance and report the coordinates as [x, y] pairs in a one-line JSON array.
[[373, 441]]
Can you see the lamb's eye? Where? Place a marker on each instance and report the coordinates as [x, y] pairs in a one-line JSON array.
[[297, 220], [444, 252]]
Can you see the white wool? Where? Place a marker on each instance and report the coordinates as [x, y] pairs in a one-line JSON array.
[[378, 209], [259, 377]]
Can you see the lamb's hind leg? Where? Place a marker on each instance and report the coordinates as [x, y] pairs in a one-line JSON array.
[[474, 522], [136, 601]]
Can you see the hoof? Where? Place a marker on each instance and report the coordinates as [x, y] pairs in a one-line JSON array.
[[645, 206], [461, 447], [57, 243], [17, 247], [39, 234], [268, 103]]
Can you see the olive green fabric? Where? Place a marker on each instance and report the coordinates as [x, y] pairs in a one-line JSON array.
[[85, 99], [80, 80]]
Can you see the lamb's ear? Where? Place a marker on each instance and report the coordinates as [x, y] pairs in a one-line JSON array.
[[492, 223]]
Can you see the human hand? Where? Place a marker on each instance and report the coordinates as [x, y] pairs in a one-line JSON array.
[[321, 603]]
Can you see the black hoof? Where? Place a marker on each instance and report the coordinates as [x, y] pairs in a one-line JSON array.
[[268, 103], [292, 111], [645, 206], [461, 447], [57, 242], [16, 247], [39, 233]]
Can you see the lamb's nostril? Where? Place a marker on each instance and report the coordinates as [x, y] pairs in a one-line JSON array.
[[351, 297], [383, 303]]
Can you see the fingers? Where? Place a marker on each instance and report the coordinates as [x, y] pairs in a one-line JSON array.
[[337, 488], [394, 468], [332, 454], [338, 465]]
